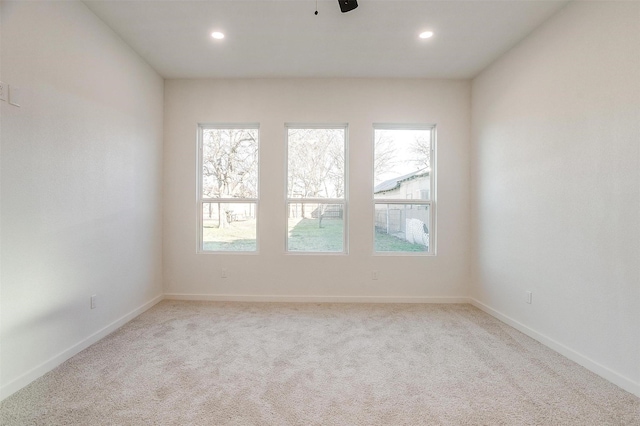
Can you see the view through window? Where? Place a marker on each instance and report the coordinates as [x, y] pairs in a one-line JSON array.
[[228, 187], [403, 188], [316, 200]]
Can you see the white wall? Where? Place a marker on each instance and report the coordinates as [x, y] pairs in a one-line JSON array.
[[81, 185], [555, 186], [273, 102]]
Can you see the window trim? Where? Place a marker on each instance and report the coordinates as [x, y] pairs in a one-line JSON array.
[[200, 200], [432, 188], [344, 201]]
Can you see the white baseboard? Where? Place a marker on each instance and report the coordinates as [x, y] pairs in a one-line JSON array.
[[599, 369], [312, 299], [22, 381]]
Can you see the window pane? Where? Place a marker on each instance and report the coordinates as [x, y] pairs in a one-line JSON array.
[[316, 227], [230, 163], [402, 228], [229, 227], [402, 166], [316, 163]]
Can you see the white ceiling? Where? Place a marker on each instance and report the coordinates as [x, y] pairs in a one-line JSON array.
[[275, 38]]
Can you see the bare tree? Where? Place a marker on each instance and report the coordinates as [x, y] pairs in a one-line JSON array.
[[421, 149], [229, 166], [316, 165], [385, 154]]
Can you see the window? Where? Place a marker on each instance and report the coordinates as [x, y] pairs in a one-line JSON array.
[[404, 182], [228, 187], [316, 189]]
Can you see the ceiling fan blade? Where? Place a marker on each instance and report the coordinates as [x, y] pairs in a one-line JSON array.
[[347, 5]]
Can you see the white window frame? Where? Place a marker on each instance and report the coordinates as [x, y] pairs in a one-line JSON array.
[[431, 202], [344, 201], [202, 200]]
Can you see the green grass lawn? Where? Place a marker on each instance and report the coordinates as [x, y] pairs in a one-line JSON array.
[[388, 243], [306, 235], [239, 236]]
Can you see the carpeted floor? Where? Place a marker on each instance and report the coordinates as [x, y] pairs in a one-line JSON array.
[[205, 363]]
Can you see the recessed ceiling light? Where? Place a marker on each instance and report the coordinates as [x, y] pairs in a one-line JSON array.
[[426, 34], [217, 35]]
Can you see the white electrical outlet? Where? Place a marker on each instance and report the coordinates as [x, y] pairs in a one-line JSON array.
[[93, 301], [529, 296], [224, 273], [374, 275], [4, 91]]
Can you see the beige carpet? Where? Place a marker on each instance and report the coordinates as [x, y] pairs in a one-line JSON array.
[[202, 363]]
